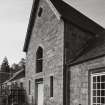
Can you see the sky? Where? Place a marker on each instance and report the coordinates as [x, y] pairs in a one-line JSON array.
[[14, 18], [94, 9]]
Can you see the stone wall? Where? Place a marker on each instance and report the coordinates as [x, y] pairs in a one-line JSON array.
[[48, 32], [80, 81]]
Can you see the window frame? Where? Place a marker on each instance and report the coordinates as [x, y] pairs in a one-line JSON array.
[[39, 60], [92, 73]]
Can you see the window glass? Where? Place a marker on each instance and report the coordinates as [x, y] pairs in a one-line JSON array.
[[40, 12], [51, 86], [29, 87]]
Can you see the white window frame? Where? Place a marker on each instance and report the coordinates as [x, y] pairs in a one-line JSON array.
[[93, 75]]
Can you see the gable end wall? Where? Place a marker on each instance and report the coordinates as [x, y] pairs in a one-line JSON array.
[[48, 32]]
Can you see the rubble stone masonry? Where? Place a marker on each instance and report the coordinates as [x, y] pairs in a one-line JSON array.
[[48, 32], [80, 81]]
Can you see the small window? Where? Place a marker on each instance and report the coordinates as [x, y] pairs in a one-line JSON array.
[[40, 12], [29, 87], [51, 86]]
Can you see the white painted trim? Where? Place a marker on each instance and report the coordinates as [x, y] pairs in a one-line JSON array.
[[51, 74], [54, 9], [98, 74], [40, 45], [93, 75], [52, 98], [91, 85]]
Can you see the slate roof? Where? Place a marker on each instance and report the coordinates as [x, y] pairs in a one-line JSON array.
[[74, 16], [67, 13], [95, 49], [18, 75]]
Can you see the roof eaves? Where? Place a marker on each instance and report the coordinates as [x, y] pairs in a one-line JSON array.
[[86, 60], [74, 16], [31, 24], [16, 74]]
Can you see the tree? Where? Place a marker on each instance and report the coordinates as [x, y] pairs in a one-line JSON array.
[[5, 66], [22, 63], [15, 67]]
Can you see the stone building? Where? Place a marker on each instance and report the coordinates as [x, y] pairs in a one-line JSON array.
[[63, 49]]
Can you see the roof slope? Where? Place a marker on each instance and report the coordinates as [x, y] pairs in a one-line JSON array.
[[31, 24], [95, 49], [68, 13], [74, 16], [18, 75]]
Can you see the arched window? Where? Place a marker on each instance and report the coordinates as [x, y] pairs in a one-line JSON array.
[[39, 60]]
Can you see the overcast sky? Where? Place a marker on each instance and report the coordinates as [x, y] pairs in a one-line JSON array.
[[14, 17], [94, 9]]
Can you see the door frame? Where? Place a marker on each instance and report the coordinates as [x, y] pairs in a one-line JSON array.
[[37, 81]]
